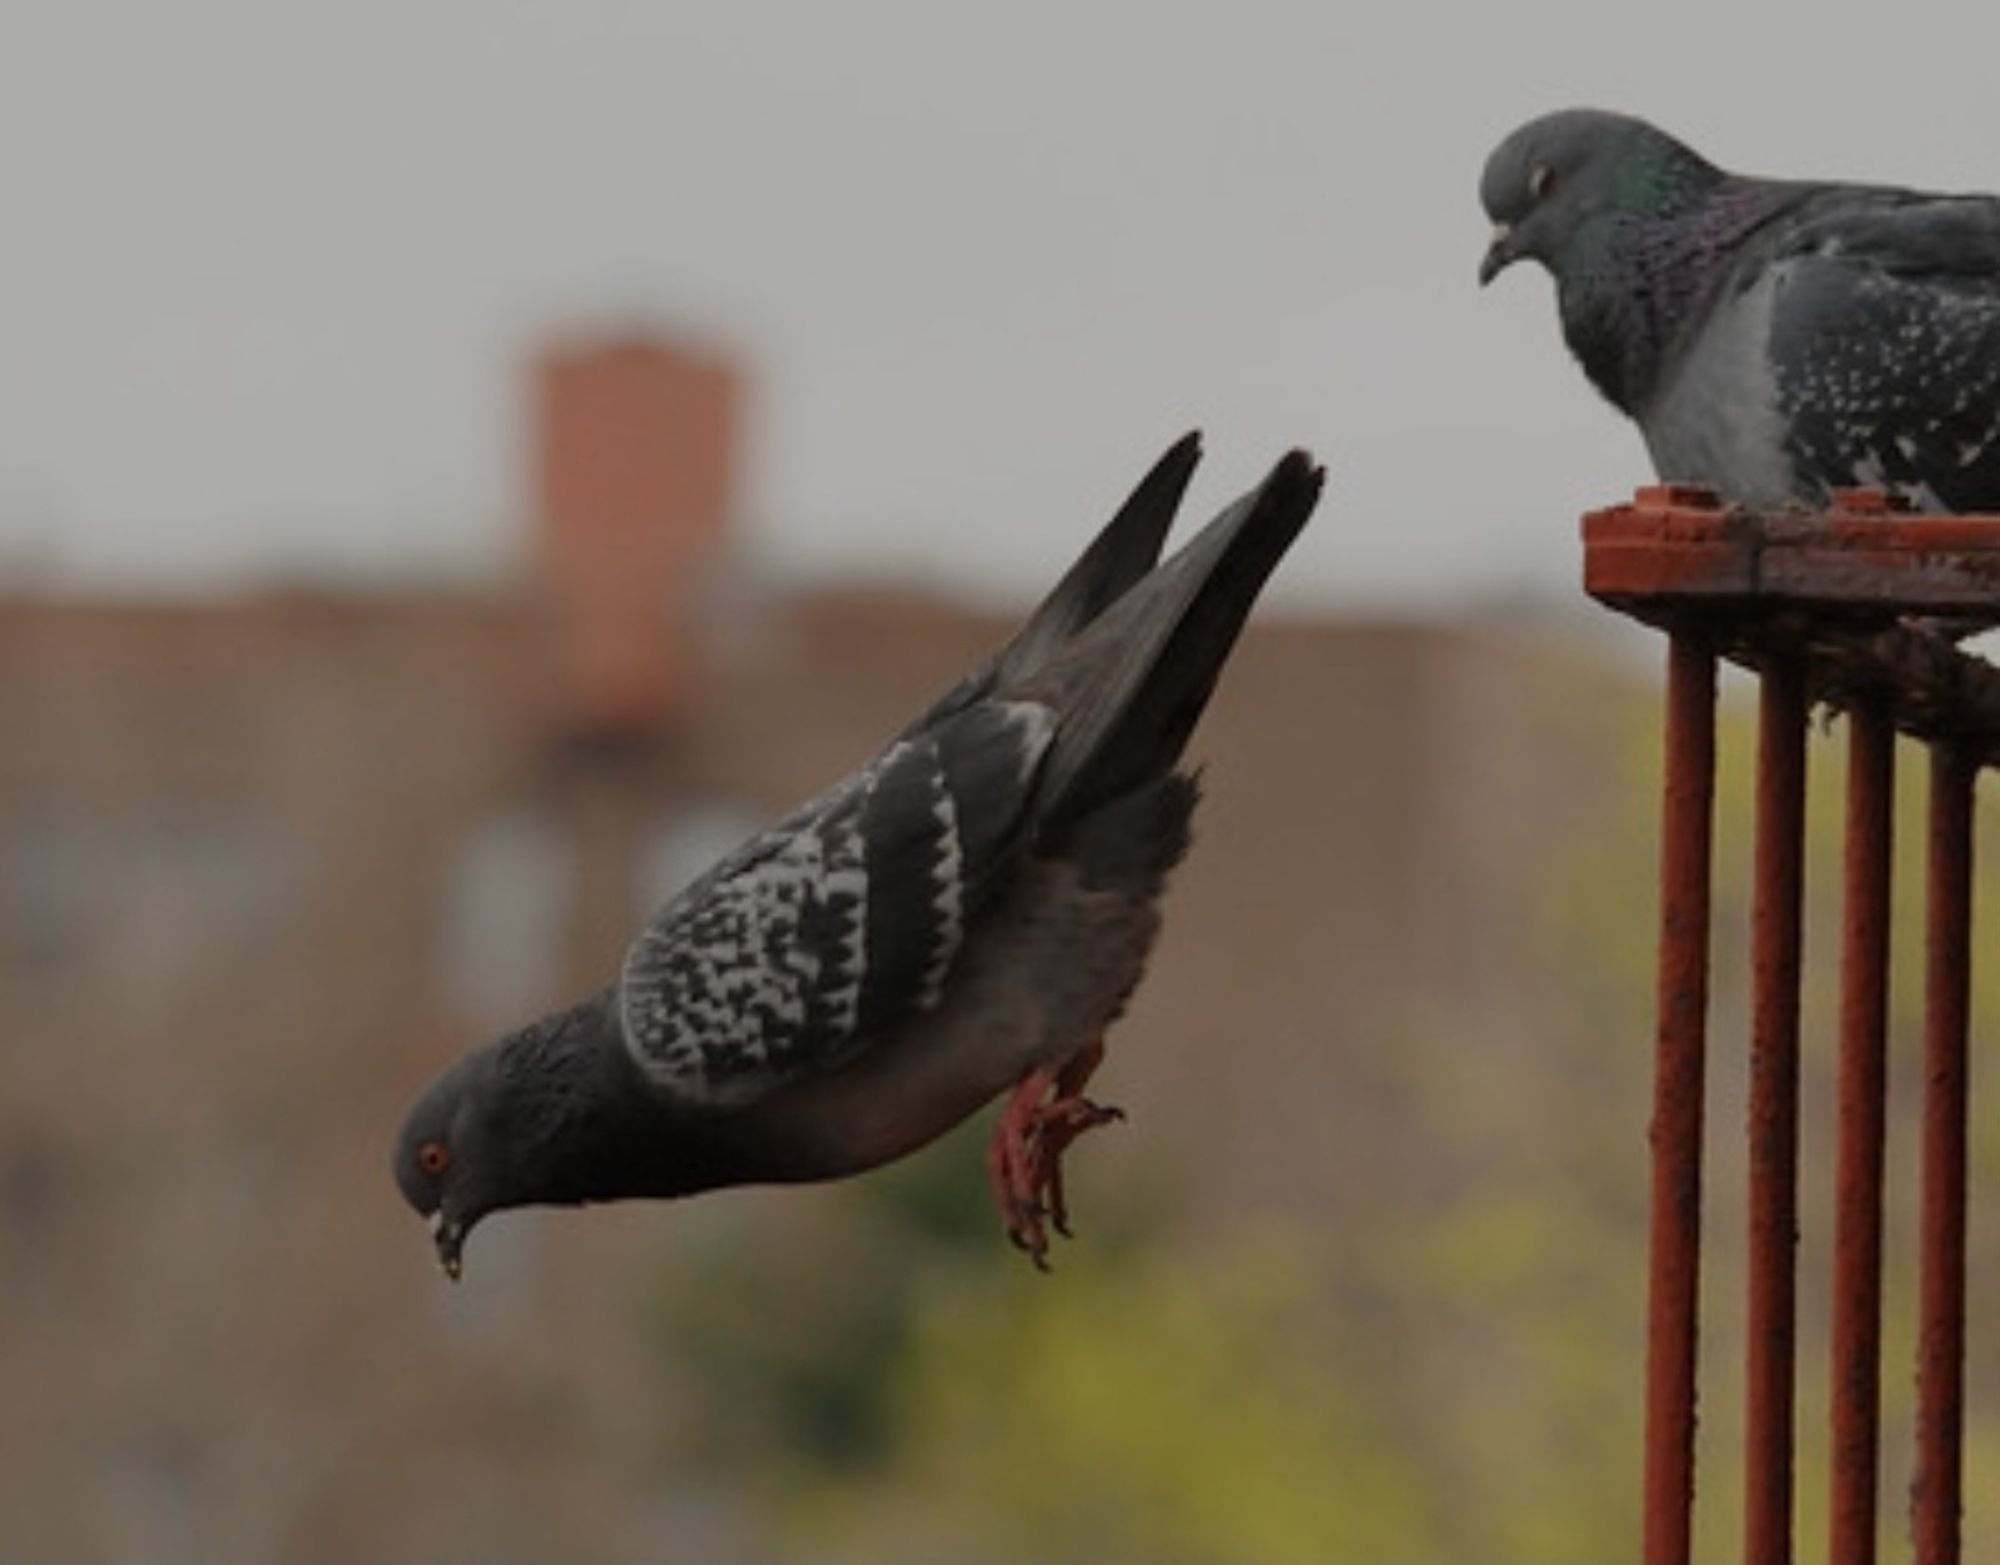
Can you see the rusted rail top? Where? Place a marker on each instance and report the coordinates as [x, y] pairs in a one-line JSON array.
[[1836, 589], [1677, 543]]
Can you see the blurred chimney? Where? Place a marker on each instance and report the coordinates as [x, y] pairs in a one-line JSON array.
[[636, 453]]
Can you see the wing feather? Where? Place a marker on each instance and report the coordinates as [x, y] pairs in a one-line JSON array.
[[1887, 350], [809, 942]]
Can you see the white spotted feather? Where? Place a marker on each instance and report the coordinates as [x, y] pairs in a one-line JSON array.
[[841, 919]]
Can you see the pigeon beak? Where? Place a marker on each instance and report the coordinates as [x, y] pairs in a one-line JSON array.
[[449, 1235], [1500, 254]]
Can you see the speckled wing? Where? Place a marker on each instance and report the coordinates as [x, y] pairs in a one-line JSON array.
[[818, 935], [1885, 342]]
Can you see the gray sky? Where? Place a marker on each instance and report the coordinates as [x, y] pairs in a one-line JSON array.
[[269, 273]]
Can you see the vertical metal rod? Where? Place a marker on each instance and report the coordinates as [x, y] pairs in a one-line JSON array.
[[1774, 1111], [1935, 1494], [1857, 1232], [1686, 829]]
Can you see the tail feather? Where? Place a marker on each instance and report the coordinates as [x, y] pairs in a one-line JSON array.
[[1119, 556], [1131, 686]]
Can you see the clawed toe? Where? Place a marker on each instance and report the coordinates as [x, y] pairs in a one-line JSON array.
[[1042, 1116]]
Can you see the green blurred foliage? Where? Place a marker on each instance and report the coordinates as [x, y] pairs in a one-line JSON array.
[[1141, 1406]]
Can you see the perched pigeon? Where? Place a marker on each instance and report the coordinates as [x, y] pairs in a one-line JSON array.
[[965, 914], [1773, 339]]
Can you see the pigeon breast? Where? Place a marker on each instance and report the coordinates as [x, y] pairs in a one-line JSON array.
[[1715, 418]]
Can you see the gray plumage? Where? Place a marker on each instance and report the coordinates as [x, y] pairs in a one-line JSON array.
[[1773, 339], [974, 904]]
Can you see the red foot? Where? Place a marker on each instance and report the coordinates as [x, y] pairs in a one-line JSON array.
[[1042, 1116]]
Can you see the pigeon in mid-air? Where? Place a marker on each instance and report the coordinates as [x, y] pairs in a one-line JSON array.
[[962, 917], [1773, 339]]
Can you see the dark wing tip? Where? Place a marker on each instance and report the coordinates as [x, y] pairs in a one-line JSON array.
[[1297, 479], [1166, 481], [1184, 452], [1125, 549], [1156, 497], [1132, 686]]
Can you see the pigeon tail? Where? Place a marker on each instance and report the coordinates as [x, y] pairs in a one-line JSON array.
[[1130, 687], [1119, 556]]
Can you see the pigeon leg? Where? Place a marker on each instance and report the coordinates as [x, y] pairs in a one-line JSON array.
[[1045, 1113], [1065, 1117], [1011, 1163]]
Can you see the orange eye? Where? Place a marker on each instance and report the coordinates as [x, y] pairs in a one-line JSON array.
[[1541, 181], [433, 1157]]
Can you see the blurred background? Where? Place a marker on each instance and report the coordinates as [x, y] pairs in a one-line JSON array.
[[463, 467]]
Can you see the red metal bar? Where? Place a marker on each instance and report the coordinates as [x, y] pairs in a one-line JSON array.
[[1679, 1060], [1774, 1110], [1935, 1494], [1857, 1233], [1819, 603]]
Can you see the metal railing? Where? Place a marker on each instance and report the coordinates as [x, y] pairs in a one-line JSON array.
[[1821, 609]]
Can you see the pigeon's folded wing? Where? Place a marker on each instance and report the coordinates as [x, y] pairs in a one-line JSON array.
[[1885, 339], [1903, 233], [817, 935]]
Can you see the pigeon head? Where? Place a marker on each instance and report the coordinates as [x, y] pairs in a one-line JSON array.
[[1552, 184], [447, 1162], [499, 1128]]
